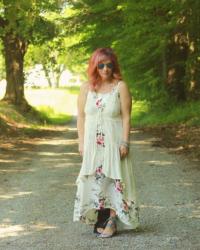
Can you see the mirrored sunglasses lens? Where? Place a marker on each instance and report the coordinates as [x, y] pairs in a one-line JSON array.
[[110, 65], [100, 66]]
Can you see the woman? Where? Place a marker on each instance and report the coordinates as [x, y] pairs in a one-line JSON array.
[[106, 179]]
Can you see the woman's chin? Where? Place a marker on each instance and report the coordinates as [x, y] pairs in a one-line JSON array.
[[105, 77]]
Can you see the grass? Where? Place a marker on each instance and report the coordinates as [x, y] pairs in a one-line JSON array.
[[56, 106], [73, 89], [50, 107], [10, 114], [50, 116], [187, 113], [14, 122]]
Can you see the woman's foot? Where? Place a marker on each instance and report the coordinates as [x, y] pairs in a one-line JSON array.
[[110, 229], [100, 230], [102, 218]]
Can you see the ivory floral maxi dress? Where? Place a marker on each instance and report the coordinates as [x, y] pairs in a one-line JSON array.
[[105, 181]]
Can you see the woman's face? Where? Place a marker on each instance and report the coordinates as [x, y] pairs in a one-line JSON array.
[[105, 69]]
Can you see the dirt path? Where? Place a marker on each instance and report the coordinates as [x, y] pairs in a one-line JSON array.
[[37, 194]]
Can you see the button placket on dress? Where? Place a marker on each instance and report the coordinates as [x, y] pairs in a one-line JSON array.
[[99, 133]]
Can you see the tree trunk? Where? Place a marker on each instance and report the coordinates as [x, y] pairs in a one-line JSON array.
[[14, 49], [57, 79], [59, 70], [164, 65], [177, 54], [46, 71], [193, 69]]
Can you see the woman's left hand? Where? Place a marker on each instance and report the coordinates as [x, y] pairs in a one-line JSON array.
[[123, 150]]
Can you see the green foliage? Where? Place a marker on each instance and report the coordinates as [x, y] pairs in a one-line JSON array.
[[74, 90], [49, 115], [43, 113], [146, 115], [12, 116], [48, 55], [149, 38], [55, 105], [29, 19], [123, 26]]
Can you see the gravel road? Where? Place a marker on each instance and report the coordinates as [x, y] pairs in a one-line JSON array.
[[37, 190]]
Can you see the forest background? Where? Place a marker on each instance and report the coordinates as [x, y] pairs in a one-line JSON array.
[[157, 43]]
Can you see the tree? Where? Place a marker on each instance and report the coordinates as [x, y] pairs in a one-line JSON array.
[[2, 64], [22, 23], [182, 52], [157, 42], [124, 25], [49, 56]]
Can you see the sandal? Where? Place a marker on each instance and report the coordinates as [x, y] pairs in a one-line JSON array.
[[99, 230], [102, 218], [111, 223]]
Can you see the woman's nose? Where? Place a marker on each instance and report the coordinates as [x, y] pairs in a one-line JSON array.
[[105, 68]]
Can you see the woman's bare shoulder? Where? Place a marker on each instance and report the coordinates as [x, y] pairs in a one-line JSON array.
[[123, 86], [84, 88]]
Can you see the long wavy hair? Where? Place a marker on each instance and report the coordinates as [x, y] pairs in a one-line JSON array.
[[97, 57]]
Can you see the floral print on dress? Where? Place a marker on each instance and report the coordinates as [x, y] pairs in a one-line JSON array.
[[101, 203], [100, 139], [99, 173], [99, 198], [100, 104], [125, 207], [118, 186]]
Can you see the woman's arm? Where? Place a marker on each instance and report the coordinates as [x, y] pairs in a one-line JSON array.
[[126, 106], [81, 115]]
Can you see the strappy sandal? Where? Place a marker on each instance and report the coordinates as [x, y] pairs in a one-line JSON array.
[[111, 223], [102, 219], [99, 230]]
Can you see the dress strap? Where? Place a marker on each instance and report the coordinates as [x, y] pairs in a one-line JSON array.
[[117, 86], [119, 82]]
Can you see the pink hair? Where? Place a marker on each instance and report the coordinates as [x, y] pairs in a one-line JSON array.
[[97, 57]]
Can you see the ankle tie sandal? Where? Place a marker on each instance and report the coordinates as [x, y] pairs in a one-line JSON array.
[[111, 223], [102, 218]]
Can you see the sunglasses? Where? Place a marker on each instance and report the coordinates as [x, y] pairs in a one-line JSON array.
[[102, 65]]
